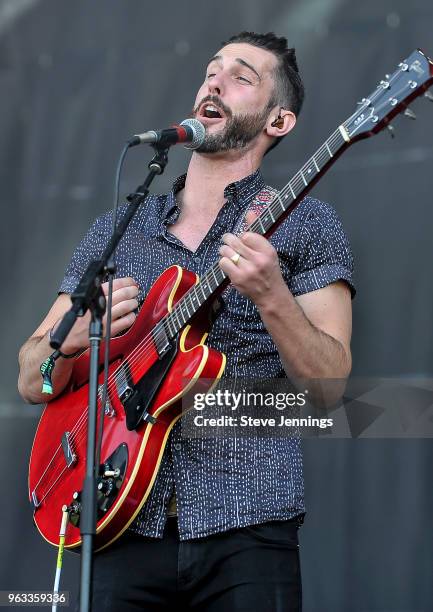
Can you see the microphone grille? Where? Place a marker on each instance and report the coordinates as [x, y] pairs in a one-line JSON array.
[[199, 133]]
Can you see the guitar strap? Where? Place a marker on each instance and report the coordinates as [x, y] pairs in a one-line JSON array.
[[259, 203]]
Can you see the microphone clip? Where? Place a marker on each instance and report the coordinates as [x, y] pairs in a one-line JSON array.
[[160, 159]]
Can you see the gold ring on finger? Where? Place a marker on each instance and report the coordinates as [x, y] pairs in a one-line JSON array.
[[235, 258]]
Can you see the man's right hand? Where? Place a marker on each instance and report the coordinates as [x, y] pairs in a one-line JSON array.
[[125, 292], [37, 348]]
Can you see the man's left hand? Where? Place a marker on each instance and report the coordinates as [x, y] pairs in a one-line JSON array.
[[257, 272]]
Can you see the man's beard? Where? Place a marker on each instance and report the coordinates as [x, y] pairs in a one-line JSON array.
[[239, 131]]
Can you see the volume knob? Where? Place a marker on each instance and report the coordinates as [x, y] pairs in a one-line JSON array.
[[105, 486]]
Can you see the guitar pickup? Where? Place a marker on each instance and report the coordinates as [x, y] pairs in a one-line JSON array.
[[161, 342], [70, 456], [124, 382]]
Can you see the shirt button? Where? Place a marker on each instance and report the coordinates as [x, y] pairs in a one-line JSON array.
[[197, 260], [177, 447]]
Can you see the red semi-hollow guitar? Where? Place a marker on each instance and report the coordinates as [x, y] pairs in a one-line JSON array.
[[163, 357]]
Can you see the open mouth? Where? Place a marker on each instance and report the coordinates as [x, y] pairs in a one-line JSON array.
[[210, 111]]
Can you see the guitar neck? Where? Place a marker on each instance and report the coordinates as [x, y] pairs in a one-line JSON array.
[[283, 203]]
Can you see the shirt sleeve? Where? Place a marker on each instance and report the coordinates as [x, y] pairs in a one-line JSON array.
[[323, 253], [90, 248]]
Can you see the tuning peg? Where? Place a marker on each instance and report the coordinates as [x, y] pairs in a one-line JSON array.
[[391, 131], [429, 95], [409, 113]]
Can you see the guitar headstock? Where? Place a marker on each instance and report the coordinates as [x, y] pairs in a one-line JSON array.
[[411, 79]]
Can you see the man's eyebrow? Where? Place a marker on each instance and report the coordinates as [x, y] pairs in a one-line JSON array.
[[215, 58], [247, 65], [218, 58]]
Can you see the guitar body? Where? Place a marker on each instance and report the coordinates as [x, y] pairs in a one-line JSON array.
[[58, 457]]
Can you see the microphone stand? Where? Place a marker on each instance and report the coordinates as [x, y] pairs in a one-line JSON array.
[[89, 296]]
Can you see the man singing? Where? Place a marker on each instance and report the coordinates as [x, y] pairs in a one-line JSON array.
[[218, 531]]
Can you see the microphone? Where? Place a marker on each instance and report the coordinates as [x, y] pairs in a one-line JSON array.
[[191, 132]]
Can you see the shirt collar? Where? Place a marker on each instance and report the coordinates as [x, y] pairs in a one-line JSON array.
[[240, 192], [170, 201]]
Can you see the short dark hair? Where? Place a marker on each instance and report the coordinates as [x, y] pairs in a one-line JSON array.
[[289, 89]]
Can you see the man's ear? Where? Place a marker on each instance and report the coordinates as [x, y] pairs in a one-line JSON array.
[[280, 122]]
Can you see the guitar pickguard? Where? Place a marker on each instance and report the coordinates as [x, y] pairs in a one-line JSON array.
[[143, 393]]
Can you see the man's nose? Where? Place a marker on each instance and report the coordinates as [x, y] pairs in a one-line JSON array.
[[215, 85]]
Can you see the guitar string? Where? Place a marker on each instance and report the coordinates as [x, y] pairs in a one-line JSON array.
[[52, 485]]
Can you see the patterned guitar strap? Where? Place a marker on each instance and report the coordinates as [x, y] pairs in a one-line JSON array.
[[260, 202]]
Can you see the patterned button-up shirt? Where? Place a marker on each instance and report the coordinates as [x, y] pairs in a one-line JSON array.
[[225, 482]]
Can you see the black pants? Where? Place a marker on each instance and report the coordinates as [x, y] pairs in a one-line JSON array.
[[250, 569]]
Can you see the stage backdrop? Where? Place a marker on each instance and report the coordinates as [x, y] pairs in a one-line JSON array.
[[76, 80]]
